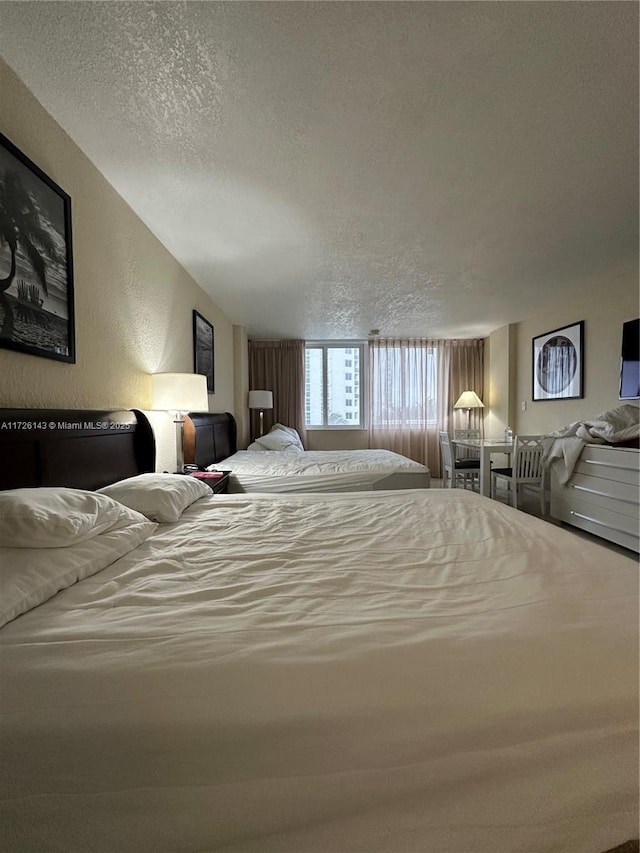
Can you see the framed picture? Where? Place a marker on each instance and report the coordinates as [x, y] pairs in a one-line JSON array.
[[203, 357], [558, 364], [36, 262]]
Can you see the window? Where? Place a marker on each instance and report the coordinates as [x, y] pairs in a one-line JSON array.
[[404, 382], [329, 390]]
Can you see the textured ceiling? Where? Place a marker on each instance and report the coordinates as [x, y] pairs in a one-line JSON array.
[[425, 168]]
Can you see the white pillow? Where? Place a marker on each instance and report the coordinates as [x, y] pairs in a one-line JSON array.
[[295, 435], [54, 517], [161, 497], [277, 440], [30, 576]]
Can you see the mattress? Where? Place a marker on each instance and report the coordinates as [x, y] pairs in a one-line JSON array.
[[322, 471], [392, 672]]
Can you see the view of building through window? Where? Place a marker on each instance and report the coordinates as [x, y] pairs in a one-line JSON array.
[[404, 386], [332, 385]]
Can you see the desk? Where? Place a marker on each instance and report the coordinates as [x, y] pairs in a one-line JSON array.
[[485, 447]]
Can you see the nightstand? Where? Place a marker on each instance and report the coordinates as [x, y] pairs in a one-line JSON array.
[[218, 481]]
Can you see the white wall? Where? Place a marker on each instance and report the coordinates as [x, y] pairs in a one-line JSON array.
[[133, 301], [241, 384], [605, 307], [498, 386]]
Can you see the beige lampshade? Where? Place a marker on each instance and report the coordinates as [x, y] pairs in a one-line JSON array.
[[261, 399], [179, 392], [469, 400]]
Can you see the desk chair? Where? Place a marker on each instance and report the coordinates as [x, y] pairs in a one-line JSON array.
[[526, 469], [466, 453], [475, 434], [453, 470]]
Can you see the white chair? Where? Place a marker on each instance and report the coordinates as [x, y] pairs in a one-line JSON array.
[[464, 453], [453, 470], [475, 434], [526, 469]]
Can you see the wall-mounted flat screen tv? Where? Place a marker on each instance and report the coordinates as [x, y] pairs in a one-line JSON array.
[[630, 361]]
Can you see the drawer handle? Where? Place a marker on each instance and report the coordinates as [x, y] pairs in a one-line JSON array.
[[601, 523], [603, 494], [608, 464]]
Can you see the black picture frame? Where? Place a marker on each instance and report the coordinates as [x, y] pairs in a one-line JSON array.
[[203, 349], [557, 364], [36, 260]]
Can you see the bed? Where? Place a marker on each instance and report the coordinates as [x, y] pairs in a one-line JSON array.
[[419, 671], [210, 442]]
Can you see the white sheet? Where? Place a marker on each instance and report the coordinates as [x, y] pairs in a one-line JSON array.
[[322, 471], [391, 673], [563, 448]]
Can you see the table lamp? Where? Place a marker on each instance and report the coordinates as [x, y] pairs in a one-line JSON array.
[[469, 400], [261, 400], [179, 393]]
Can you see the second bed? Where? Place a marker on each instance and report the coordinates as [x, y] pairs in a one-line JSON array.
[[210, 442]]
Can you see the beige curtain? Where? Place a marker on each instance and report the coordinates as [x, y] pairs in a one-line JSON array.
[[413, 385], [462, 370], [278, 366], [403, 414]]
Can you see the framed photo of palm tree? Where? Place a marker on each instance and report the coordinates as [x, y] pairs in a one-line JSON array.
[[36, 260], [203, 355]]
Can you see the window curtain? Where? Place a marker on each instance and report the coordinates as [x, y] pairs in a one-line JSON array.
[[413, 385], [278, 366], [463, 363]]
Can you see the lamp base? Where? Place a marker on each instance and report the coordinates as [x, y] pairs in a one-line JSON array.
[[179, 422]]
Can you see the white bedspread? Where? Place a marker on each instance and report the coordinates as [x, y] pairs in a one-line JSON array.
[[398, 672], [319, 470]]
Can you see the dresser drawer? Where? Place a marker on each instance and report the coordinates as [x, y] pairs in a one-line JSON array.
[[617, 496], [622, 529], [619, 464], [602, 495]]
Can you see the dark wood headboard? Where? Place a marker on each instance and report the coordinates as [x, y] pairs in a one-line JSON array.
[[81, 449], [209, 437]]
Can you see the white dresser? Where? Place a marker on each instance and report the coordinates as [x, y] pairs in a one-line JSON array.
[[602, 495]]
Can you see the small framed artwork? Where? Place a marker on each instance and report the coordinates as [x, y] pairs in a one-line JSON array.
[[36, 262], [558, 364], [203, 354]]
